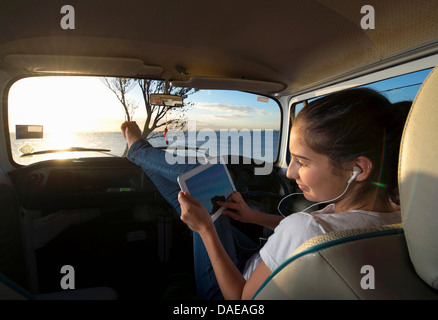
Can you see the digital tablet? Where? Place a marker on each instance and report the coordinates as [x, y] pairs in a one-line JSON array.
[[208, 183]]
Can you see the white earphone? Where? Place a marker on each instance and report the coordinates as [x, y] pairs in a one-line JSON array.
[[356, 171]]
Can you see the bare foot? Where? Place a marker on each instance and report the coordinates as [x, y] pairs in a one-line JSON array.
[[131, 132]]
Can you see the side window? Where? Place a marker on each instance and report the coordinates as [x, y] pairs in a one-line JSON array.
[[77, 117], [396, 89], [401, 88]]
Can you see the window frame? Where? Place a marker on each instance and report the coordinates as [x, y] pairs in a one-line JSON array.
[[14, 80]]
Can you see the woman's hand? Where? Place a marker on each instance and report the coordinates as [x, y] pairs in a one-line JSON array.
[[231, 282], [240, 211], [237, 208], [194, 214]]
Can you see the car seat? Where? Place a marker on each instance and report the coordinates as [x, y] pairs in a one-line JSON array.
[[12, 270], [392, 262]]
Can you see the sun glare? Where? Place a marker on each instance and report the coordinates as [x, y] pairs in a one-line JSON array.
[[76, 104], [61, 140]]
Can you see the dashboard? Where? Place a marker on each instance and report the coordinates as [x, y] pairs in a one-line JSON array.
[[107, 182], [81, 183]]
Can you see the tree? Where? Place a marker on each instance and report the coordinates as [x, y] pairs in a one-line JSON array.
[[156, 115], [120, 87]]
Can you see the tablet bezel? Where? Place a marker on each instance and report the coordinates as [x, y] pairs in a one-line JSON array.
[[194, 172]]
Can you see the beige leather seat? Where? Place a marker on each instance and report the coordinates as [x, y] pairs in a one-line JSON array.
[[395, 262]]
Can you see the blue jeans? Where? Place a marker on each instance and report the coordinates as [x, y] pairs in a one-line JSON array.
[[164, 176]]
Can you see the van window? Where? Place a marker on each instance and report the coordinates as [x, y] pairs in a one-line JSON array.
[[396, 89], [76, 117], [401, 88]]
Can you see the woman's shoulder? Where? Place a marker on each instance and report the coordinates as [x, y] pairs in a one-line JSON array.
[[296, 220], [288, 235], [296, 228], [301, 218]]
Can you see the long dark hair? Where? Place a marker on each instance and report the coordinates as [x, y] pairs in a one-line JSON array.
[[353, 123]]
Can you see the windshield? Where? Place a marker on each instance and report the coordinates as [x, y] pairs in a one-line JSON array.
[[76, 117]]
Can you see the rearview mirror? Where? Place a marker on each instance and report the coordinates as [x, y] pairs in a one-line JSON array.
[[168, 100]]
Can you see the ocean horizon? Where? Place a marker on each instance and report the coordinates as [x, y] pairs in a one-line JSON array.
[[262, 146]]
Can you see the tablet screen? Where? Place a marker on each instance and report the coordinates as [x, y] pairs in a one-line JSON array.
[[210, 185]]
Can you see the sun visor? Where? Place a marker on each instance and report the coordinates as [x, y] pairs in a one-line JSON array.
[[263, 87], [79, 65]]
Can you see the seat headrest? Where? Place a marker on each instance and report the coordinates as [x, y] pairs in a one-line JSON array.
[[418, 181]]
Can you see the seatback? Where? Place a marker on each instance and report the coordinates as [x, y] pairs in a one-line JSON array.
[[357, 264], [395, 262], [418, 176]]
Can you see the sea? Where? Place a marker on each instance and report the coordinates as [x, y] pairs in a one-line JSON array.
[[256, 144]]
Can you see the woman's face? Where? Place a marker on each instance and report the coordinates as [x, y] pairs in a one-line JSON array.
[[312, 171]]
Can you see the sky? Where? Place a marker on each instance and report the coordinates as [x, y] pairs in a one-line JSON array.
[[226, 109], [64, 104], [85, 104]]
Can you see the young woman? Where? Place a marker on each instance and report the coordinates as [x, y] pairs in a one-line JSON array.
[[344, 149]]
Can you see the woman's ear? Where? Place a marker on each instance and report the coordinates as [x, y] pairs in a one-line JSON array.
[[366, 166]]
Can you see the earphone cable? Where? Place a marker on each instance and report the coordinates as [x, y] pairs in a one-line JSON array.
[[315, 204]]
